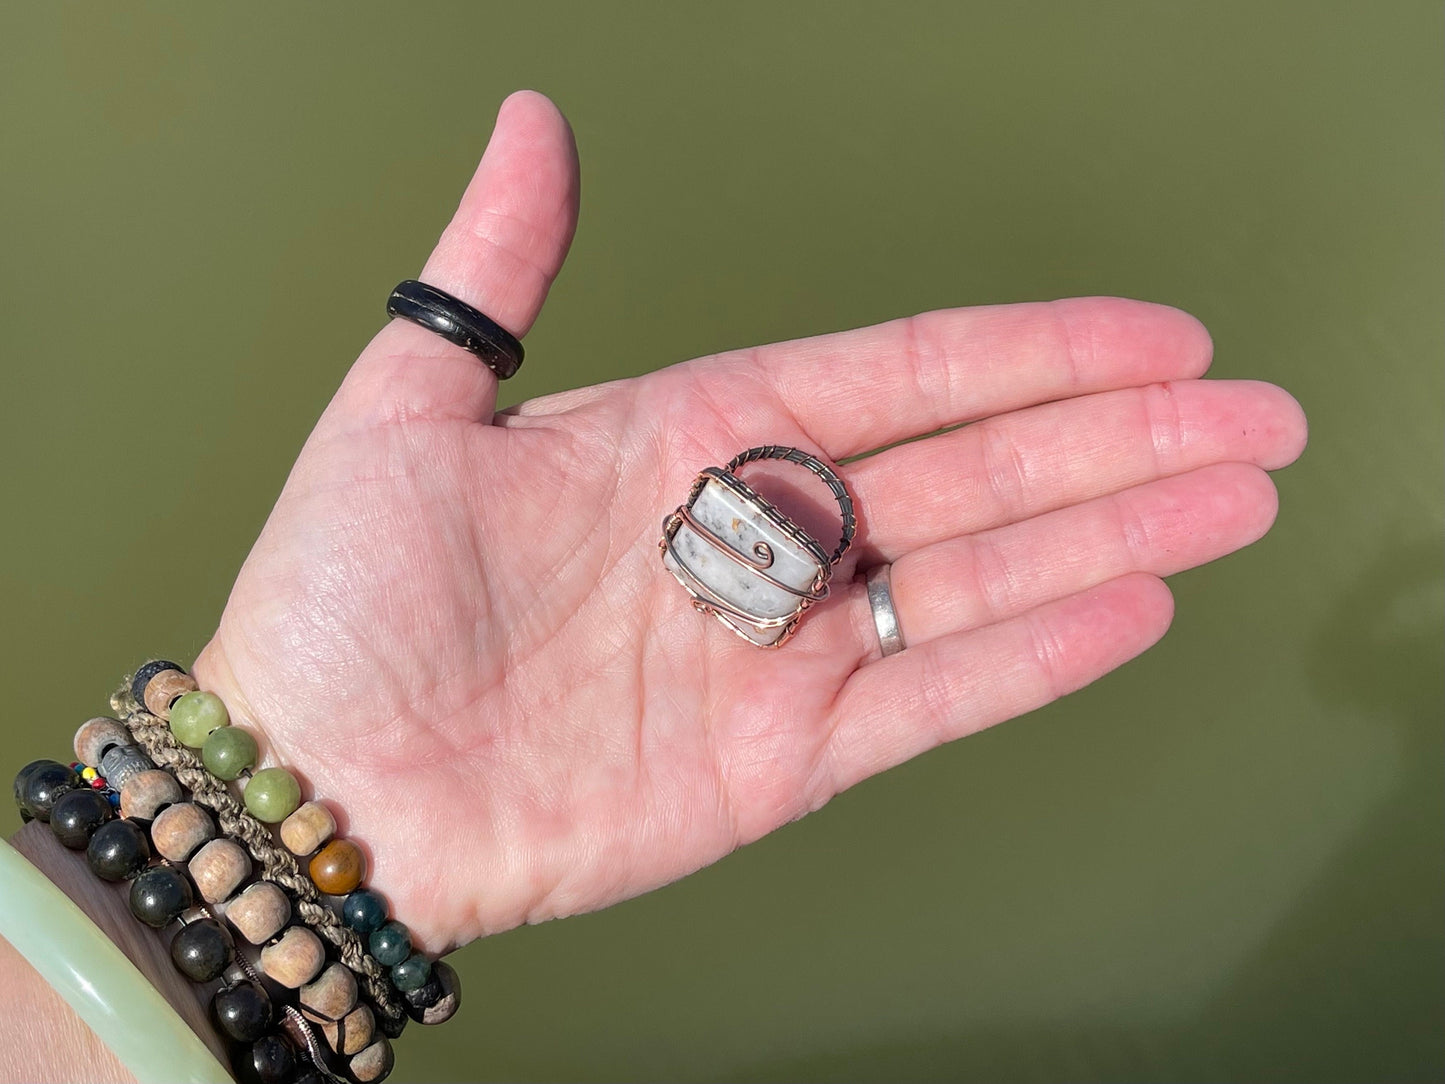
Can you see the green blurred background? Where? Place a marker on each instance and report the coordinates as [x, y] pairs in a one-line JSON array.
[[1223, 862]]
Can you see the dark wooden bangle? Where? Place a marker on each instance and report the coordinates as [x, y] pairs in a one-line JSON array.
[[457, 322]]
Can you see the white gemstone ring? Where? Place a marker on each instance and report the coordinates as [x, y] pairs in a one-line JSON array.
[[742, 560]]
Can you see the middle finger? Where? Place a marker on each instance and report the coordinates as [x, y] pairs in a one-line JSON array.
[[1019, 465]]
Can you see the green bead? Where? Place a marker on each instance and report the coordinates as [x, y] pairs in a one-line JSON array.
[[195, 715], [228, 752], [391, 944], [272, 795]]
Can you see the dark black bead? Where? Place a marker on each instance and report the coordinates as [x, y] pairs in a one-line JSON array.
[[145, 673], [159, 895], [202, 949], [309, 1075], [20, 780], [44, 784], [364, 911], [271, 1059], [426, 995], [392, 1027], [242, 1012], [77, 814], [118, 851]]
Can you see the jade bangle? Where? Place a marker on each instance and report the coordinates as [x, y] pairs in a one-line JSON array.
[[95, 978]]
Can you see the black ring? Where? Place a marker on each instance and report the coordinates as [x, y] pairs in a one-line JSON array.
[[457, 322]]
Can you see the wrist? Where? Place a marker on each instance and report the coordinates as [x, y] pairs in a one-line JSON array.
[[140, 1012]]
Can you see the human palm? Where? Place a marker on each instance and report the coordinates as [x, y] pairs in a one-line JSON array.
[[456, 626]]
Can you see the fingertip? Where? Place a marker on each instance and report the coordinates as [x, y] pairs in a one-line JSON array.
[[1148, 340]]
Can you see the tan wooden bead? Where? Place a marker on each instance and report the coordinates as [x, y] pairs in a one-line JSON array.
[[97, 735], [145, 793], [331, 996], [351, 1034], [219, 868], [260, 912], [374, 1062], [165, 689], [294, 960], [308, 828], [180, 829]]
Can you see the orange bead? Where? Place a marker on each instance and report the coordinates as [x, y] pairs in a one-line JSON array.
[[338, 867]]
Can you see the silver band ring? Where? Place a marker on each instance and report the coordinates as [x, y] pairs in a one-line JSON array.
[[885, 617]]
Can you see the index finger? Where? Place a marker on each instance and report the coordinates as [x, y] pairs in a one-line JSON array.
[[855, 391]]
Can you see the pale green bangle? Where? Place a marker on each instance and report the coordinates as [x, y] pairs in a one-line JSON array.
[[86, 968]]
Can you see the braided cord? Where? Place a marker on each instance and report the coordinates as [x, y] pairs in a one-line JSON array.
[[277, 864], [818, 467]]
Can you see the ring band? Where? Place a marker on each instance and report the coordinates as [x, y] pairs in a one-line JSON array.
[[457, 322], [885, 617]]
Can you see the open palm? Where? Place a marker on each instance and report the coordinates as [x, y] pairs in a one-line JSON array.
[[456, 627]]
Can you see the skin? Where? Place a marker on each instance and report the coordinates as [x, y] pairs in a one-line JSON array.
[[455, 624]]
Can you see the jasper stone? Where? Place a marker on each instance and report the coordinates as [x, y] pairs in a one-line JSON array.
[[308, 828], [411, 973], [364, 910], [179, 830], [219, 868], [76, 815], [446, 1003], [145, 794], [391, 944], [295, 959], [97, 735], [260, 912], [118, 851], [338, 867], [743, 527]]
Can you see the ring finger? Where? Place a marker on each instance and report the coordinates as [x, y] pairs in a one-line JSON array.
[[1162, 527]]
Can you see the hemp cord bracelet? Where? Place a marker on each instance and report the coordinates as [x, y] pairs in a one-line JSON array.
[[277, 864]]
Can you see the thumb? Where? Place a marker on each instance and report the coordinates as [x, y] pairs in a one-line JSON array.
[[501, 251]]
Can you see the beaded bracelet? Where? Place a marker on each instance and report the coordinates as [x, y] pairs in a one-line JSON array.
[[83, 818], [293, 957], [199, 720]]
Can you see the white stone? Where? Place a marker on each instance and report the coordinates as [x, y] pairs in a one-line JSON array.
[[741, 525]]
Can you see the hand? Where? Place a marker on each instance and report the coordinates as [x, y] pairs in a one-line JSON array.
[[456, 627]]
